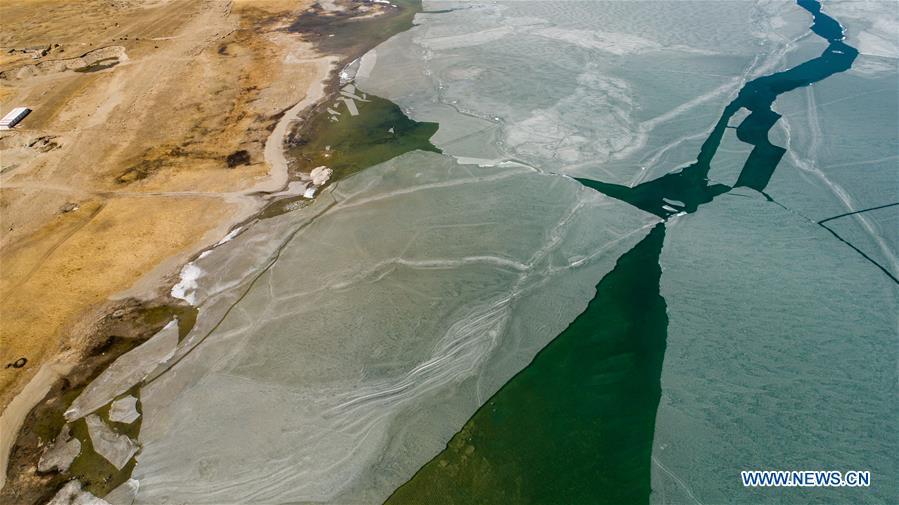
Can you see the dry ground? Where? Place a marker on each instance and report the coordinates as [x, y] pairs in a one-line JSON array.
[[123, 171]]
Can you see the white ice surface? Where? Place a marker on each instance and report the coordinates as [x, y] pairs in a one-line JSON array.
[[378, 327], [129, 369], [124, 410], [184, 289], [781, 354], [71, 494], [115, 447]]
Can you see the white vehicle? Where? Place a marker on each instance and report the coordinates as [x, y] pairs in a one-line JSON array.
[[13, 117]]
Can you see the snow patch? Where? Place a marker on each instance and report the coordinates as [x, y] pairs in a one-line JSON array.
[[186, 289]]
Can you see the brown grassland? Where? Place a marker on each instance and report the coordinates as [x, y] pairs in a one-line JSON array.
[[121, 171]]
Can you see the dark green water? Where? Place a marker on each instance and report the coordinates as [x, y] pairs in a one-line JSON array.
[[576, 426], [380, 132], [690, 184]]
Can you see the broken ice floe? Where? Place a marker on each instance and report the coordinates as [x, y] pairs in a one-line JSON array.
[[124, 410], [349, 91], [351, 106], [61, 453], [674, 203], [124, 494], [115, 447], [72, 494], [131, 368], [320, 175]]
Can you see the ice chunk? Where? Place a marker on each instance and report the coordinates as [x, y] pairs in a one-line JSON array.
[[61, 453], [71, 494], [115, 447], [124, 410], [124, 494], [131, 368], [351, 106], [675, 203], [320, 175]]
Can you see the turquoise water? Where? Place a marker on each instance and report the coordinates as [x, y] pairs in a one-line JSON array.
[[669, 348], [577, 425], [690, 185]]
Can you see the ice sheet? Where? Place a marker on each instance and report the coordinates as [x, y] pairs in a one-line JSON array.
[[843, 156], [620, 90], [379, 326], [781, 354]]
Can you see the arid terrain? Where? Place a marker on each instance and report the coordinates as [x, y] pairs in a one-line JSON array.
[[145, 141]]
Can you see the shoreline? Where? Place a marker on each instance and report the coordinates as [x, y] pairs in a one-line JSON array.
[[250, 202], [149, 286], [153, 288], [275, 146], [14, 415]]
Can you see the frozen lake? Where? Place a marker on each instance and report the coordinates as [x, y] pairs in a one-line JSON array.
[[658, 247]]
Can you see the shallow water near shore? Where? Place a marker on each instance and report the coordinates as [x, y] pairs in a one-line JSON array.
[[347, 143]]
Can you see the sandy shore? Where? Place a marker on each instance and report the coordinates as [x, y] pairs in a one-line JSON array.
[[274, 146], [121, 175], [157, 127]]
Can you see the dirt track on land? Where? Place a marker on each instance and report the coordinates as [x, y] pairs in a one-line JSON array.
[[120, 174]]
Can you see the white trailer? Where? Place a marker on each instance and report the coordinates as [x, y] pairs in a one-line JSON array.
[[13, 117]]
